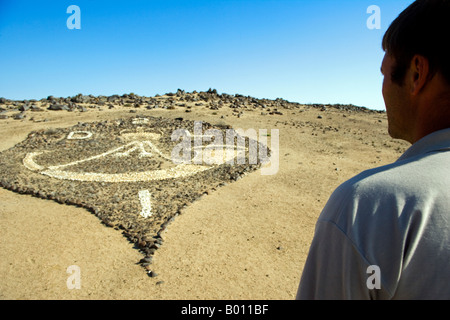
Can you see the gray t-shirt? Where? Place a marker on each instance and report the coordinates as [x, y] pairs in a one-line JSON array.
[[385, 234]]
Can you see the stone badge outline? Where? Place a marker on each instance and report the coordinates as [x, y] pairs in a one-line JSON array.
[[142, 202]]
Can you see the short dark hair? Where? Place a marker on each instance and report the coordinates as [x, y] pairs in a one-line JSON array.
[[423, 28]]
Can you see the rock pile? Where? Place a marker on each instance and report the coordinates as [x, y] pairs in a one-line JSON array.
[[210, 99]]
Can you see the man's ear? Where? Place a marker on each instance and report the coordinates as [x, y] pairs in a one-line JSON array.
[[420, 73]]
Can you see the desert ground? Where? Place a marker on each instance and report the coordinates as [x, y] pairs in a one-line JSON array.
[[246, 240]]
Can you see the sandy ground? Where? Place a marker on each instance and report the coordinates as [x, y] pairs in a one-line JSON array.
[[247, 240]]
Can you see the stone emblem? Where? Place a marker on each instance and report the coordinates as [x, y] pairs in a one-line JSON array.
[[122, 171]]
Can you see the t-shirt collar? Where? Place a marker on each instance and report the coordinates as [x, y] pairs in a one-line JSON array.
[[434, 142]]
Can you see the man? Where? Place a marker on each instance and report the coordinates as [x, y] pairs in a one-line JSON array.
[[385, 234]]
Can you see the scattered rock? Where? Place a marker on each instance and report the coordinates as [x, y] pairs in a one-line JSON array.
[[152, 274], [36, 108], [147, 259], [58, 107], [19, 116]]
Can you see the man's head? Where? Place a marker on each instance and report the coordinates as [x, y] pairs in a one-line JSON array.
[[416, 67]]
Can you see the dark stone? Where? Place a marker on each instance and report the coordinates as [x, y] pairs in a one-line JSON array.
[[58, 107], [36, 109], [19, 116], [152, 274]]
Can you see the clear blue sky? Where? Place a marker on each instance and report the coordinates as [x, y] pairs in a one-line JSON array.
[[317, 51]]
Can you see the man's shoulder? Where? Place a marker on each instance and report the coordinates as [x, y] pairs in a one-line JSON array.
[[372, 181], [414, 178], [413, 174]]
